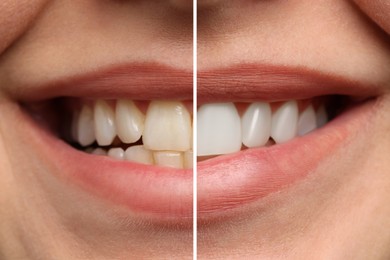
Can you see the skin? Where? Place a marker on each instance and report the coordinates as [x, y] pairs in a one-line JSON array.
[[341, 212]]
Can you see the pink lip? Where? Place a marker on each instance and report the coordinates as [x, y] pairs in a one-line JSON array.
[[225, 182]]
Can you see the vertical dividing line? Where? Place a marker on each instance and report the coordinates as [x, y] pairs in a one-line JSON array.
[[194, 129]]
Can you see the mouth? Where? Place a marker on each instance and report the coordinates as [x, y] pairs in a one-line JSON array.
[[268, 128], [106, 130], [125, 134]]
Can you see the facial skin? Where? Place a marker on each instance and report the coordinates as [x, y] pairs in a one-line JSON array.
[[341, 211], [43, 217]]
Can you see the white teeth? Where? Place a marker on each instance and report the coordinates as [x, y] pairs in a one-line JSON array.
[[169, 159], [116, 153], [85, 126], [99, 151], [256, 124], [167, 127], [166, 130], [219, 129], [139, 154], [284, 122], [129, 121], [105, 129], [307, 121], [322, 116], [188, 160]]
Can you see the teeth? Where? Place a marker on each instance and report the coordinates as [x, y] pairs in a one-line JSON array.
[[129, 121], [139, 154], [169, 159], [99, 151], [307, 121], [167, 127], [74, 126], [256, 124], [116, 153], [166, 130], [188, 160], [322, 116], [85, 126], [219, 129], [105, 129], [284, 122]]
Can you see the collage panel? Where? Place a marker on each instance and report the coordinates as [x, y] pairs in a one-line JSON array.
[[293, 130], [96, 129]]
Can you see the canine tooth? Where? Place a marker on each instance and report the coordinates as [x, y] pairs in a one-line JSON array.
[[85, 126], [139, 154], [74, 126], [322, 116], [256, 124], [307, 121], [105, 129], [188, 160], [167, 127], [284, 122], [116, 153], [169, 159], [129, 121], [99, 151], [219, 129]]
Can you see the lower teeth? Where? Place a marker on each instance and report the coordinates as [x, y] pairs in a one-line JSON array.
[[139, 154]]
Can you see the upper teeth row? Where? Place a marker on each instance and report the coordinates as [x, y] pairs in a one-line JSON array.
[[165, 127], [221, 130]]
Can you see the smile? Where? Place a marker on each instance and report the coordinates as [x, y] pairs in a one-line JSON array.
[[125, 144]]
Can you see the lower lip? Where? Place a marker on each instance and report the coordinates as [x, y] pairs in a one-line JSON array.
[[163, 194], [224, 183]]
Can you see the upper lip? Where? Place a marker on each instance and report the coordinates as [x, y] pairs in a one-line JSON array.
[[168, 192], [254, 82], [136, 81]]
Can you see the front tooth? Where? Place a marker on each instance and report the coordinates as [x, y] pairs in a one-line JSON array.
[[256, 124], [307, 121], [169, 159], [167, 127], [284, 122], [129, 121], [105, 129], [219, 129], [85, 126], [188, 160], [116, 153], [139, 154], [322, 116]]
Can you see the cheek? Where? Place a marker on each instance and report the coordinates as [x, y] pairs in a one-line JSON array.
[[15, 18], [378, 10]]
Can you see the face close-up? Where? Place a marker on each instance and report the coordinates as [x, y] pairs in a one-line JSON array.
[[266, 136]]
